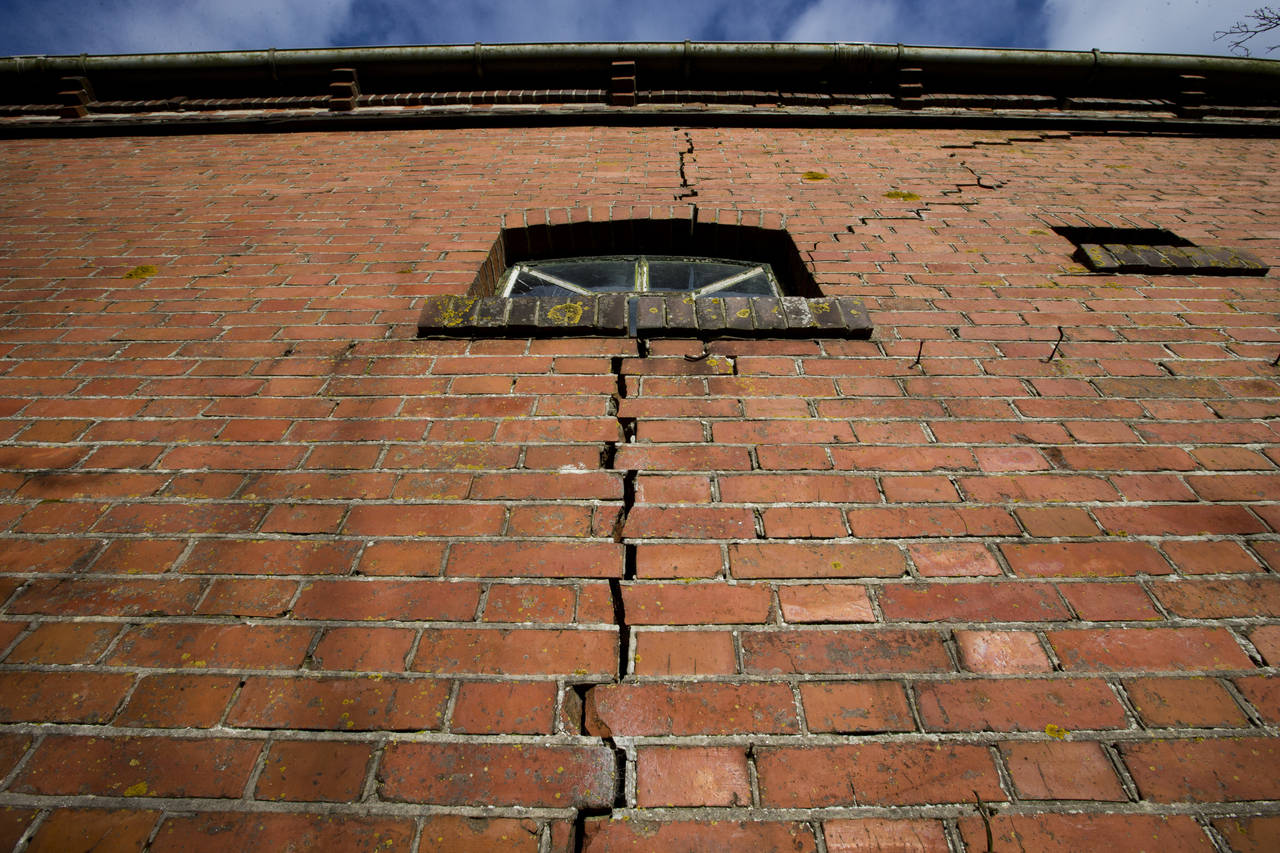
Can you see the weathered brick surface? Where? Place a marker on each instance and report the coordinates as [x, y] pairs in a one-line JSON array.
[[260, 543]]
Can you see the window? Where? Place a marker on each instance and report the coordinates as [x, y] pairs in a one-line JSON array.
[[666, 274], [659, 277]]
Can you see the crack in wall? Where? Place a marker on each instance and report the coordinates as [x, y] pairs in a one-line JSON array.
[[688, 190], [608, 460]]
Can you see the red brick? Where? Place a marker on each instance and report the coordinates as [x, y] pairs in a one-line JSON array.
[[46, 555], [1001, 652], [692, 776], [1220, 599], [215, 833], [844, 652], [1061, 771], [1037, 488], [419, 558], [1247, 834], [843, 560], [997, 460], [919, 489], [1176, 702], [856, 707], [61, 697], [1128, 458], [1105, 601], [694, 604], [155, 519], [117, 597], [1263, 692], [364, 649], [498, 774], [671, 522], [979, 601], [1057, 521], [233, 457], [875, 775], [178, 701], [1027, 706], [678, 561], [953, 559], [301, 519], [676, 488], [778, 432], [273, 556], [75, 765], [13, 824], [1157, 649], [797, 488], [341, 704], [605, 835], [508, 707], [479, 835], [803, 523], [139, 557], [659, 653], [1070, 833], [529, 603], [536, 559], [799, 457], [63, 643], [825, 603], [1230, 459], [1266, 639], [213, 646], [867, 834], [377, 599], [1165, 520], [517, 652], [314, 771], [470, 519], [672, 457], [248, 597], [1204, 770], [1084, 559], [1152, 487], [308, 486], [88, 830], [1193, 558], [12, 749], [913, 522], [626, 710]]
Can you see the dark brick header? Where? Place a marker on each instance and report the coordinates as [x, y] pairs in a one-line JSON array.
[[651, 316], [1174, 260]]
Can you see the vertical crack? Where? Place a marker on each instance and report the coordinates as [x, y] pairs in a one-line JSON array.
[[609, 459], [687, 190]]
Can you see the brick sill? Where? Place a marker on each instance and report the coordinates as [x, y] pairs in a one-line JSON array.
[[617, 314]]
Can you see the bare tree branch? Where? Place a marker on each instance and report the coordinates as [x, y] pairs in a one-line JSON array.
[[1261, 20]]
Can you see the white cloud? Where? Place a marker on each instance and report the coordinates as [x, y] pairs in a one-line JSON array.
[[1144, 26], [842, 20], [920, 22]]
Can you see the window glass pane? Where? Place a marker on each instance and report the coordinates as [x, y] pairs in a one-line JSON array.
[[672, 274], [610, 274], [528, 285], [756, 285]]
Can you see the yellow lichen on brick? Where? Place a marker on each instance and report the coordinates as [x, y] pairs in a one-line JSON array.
[[566, 314]]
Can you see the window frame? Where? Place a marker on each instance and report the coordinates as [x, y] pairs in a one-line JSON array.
[[640, 275]]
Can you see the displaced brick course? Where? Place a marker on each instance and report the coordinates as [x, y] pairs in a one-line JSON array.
[[274, 568]]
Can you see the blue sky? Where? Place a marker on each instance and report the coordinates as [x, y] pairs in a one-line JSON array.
[[149, 26]]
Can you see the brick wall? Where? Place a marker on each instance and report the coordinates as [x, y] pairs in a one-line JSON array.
[[274, 570]]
